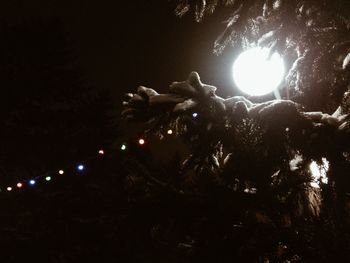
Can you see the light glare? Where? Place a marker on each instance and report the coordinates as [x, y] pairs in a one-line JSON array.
[[256, 74], [32, 182], [319, 172]]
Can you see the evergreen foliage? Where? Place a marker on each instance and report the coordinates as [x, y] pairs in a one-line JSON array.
[[245, 192], [313, 36]]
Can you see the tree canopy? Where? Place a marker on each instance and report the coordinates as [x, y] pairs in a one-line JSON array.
[[251, 164]]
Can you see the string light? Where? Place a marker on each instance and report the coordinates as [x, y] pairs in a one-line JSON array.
[[141, 141], [32, 182], [170, 132], [79, 167], [194, 114]]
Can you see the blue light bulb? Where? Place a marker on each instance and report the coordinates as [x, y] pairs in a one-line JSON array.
[[32, 182], [81, 167]]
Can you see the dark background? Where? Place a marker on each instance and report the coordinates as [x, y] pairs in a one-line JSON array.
[[123, 44], [51, 54]]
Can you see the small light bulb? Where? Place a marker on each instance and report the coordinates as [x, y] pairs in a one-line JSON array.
[[81, 167], [101, 152], [123, 147], [32, 182], [194, 114], [19, 185], [48, 178], [141, 141], [9, 189], [61, 172], [170, 132]]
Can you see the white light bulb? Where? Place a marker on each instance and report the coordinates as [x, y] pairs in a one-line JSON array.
[[256, 74]]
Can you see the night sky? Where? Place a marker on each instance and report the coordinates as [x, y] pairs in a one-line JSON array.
[[99, 195], [124, 44]]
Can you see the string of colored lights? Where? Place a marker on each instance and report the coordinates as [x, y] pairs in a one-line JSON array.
[[80, 166], [48, 176]]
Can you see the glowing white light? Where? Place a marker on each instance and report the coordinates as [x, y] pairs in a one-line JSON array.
[[141, 141], [101, 152], [19, 185], [170, 132], [81, 167], [32, 182], [256, 74], [294, 163], [319, 172], [48, 178], [61, 172], [123, 147], [9, 188], [194, 114]]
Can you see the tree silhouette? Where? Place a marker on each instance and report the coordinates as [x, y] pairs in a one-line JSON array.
[[246, 190]]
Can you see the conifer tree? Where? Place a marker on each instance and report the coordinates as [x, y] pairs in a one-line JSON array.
[[250, 164]]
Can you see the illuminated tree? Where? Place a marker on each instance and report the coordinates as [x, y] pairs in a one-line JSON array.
[[253, 165]]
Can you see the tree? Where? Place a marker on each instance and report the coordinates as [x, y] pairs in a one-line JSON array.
[[249, 167]]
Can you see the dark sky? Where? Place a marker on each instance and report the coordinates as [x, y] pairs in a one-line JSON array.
[[123, 44]]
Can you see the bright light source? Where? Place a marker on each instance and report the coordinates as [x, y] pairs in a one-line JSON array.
[[32, 182], [170, 132], [101, 152], [81, 167], [295, 162], [123, 147], [194, 114], [19, 185], [48, 178], [319, 172], [9, 189], [141, 141], [61, 172], [256, 74]]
